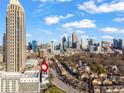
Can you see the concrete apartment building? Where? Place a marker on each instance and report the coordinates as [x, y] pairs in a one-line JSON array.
[[15, 37], [14, 82]]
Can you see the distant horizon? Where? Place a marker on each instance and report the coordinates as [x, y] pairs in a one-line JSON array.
[[48, 20], [57, 43]]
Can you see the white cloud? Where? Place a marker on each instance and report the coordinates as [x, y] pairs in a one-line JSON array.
[[107, 37], [99, 0], [52, 20], [53, 0], [46, 31], [67, 16], [91, 7], [28, 35], [63, 0], [112, 30], [84, 37], [85, 23], [122, 31], [119, 19], [109, 29], [55, 19], [80, 32], [54, 40]]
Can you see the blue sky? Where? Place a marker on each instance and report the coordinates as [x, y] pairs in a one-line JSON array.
[[48, 20]]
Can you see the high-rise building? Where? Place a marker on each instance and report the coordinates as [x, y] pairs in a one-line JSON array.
[[74, 39], [122, 44], [64, 44], [44, 46], [84, 43], [4, 47], [92, 41], [58, 47], [29, 46], [69, 42], [118, 44], [34, 46], [105, 44], [52, 46], [15, 35], [78, 45], [115, 43], [16, 82]]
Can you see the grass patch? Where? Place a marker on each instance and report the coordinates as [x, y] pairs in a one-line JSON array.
[[53, 89]]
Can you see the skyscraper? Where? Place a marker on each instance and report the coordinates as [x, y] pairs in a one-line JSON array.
[[118, 44], [64, 44], [84, 43], [15, 31], [4, 47], [115, 43], [74, 40], [74, 37], [29, 46], [34, 46], [92, 41], [69, 42], [52, 46]]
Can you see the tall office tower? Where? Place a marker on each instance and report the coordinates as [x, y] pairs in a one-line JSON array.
[[78, 45], [4, 47], [29, 46], [74, 39], [92, 41], [34, 46], [115, 43], [15, 31], [84, 43], [120, 44], [64, 43], [69, 42], [52, 46]]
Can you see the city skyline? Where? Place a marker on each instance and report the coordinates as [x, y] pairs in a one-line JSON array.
[[46, 20], [62, 46]]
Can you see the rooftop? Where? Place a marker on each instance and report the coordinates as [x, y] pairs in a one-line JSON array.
[[16, 2], [18, 74]]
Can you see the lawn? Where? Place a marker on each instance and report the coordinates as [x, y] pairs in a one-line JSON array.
[[53, 89]]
